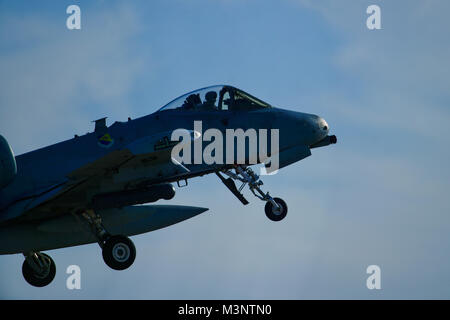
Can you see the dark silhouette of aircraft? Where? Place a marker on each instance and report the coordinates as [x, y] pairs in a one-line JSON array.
[[91, 188]]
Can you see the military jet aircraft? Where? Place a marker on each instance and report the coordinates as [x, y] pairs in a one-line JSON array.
[[95, 187]]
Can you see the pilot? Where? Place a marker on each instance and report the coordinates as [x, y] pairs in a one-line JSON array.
[[210, 101], [192, 101]]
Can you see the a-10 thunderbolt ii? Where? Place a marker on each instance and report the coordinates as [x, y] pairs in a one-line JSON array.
[[92, 188]]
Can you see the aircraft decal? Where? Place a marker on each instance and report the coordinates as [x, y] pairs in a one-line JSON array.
[[105, 141]]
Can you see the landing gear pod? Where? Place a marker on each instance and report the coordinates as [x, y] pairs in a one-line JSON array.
[[8, 167], [127, 198]]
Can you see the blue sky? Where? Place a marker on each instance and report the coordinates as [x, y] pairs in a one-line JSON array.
[[380, 196]]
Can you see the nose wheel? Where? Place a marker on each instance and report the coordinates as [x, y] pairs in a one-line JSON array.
[[276, 209], [276, 213]]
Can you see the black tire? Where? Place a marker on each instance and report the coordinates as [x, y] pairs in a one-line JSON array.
[[36, 279], [273, 214], [119, 252]]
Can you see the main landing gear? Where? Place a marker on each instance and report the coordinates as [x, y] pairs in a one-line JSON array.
[[38, 269], [118, 251], [275, 209]]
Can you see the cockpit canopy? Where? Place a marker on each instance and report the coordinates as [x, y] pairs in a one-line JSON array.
[[216, 98]]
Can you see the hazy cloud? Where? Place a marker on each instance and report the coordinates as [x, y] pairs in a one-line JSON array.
[[403, 68], [55, 81]]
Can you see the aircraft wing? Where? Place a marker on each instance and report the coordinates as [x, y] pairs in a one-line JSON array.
[[112, 161], [109, 171]]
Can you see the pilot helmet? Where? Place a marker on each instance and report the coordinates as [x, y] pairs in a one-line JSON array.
[[211, 96]]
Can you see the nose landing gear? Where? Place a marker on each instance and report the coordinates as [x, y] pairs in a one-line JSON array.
[[275, 209]]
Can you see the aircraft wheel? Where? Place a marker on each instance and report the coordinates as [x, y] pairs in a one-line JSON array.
[[276, 214], [39, 279], [119, 252]]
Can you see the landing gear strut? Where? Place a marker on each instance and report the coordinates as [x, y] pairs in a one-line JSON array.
[[275, 209], [118, 251], [38, 269]]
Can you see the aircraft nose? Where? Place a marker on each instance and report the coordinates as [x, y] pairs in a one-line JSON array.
[[319, 124], [319, 127], [323, 125], [310, 127]]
